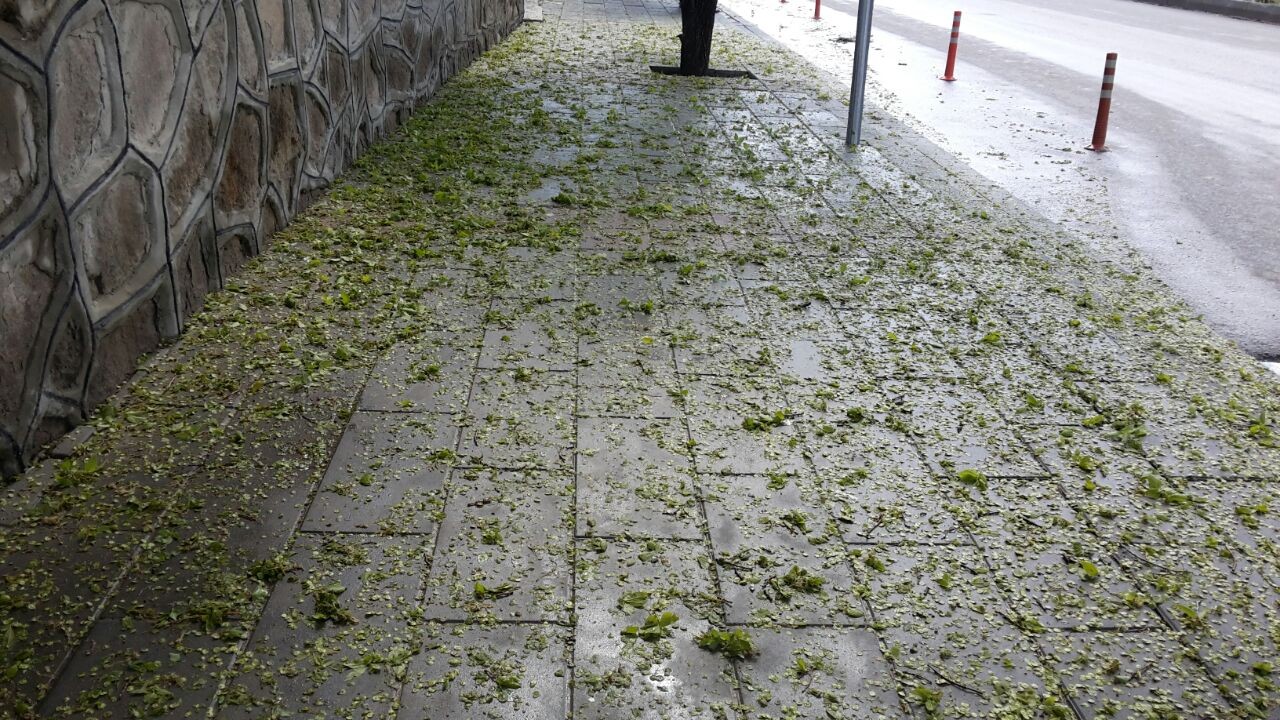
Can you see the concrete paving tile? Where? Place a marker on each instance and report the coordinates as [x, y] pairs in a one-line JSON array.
[[530, 334], [619, 291], [1023, 389], [747, 510], [505, 548], [717, 340], [493, 672], [951, 635], [884, 503], [635, 478], [1051, 563], [662, 674], [819, 673], [898, 345], [791, 309], [386, 475], [1099, 476], [1132, 675], [162, 670], [771, 584], [58, 576], [430, 374], [703, 281], [742, 426], [337, 632], [639, 390], [827, 359], [521, 418], [1194, 441], [958, 429]]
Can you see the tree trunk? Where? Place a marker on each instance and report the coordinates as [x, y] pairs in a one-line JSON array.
[[697, 19]]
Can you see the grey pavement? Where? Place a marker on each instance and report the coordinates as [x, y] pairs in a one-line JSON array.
[[1189, 181], [595, 393]]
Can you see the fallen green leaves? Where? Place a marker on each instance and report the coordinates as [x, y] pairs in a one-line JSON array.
[[735, 644]]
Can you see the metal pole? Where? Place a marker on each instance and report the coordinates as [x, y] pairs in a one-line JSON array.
[[862, 39]]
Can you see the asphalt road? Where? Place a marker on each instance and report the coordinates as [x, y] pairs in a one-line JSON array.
[[1193, 176]]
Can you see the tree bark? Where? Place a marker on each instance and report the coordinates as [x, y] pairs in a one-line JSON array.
[[697, 20]]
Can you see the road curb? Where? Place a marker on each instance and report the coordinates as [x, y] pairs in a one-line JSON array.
[[1243, 9]]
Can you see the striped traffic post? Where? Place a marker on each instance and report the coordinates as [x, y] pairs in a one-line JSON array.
[[817, 9], [1104, 105], [950, 74]]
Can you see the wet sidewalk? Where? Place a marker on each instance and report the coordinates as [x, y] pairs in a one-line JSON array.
[[595, 393]]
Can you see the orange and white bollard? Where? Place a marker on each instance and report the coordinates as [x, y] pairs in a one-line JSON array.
[[817, 9], [950, 74], [1099, 143]]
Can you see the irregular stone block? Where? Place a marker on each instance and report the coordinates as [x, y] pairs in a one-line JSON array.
[[195, 264], [138, 328], [120, 232], [244, 170], [189, 170], [399, 72], [363, 18], [277, 35], [337, 79], [372, 74], [251, 55], [153, 80], [307, 33], [318, 126], [235, 247], [22, 148], [88, 101], [28, 27], [333, 17], [35, 277], [285, 117]]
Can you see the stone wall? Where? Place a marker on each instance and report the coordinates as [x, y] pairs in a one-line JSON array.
[[149, 147]]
